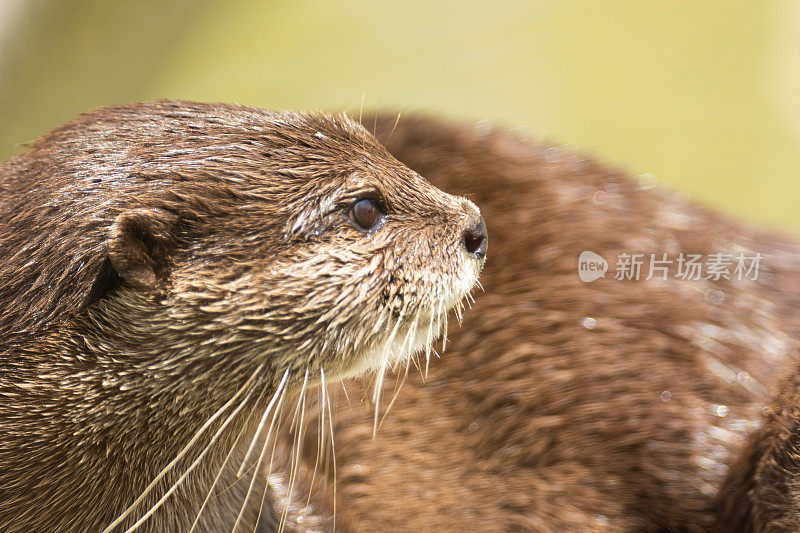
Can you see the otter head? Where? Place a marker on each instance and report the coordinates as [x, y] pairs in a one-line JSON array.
[[161, 264], [238, 237]]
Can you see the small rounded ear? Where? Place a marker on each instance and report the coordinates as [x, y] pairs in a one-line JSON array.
[[138, 244]]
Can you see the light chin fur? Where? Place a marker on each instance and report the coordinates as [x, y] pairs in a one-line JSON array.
[[430, 322], [389, 352]]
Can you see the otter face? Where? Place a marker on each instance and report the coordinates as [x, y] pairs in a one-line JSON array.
[[388, 254], [297, 242]]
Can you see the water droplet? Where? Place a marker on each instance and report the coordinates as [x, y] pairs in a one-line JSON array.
[[600, 198], [715, 297], [647, 181], [721, 410], [589, 322], [552, 153], [482, 129], [523, 133], [665, 396]]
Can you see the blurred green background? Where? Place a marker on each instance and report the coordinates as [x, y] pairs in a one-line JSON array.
[[704, 95]]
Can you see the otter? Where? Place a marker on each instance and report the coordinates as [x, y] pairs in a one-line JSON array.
[[173, 275], [562, 404]]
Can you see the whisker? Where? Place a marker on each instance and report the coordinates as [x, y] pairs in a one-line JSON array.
[[377, 396], [183, 452], [320, 436], [367, 387], [429, 339], [294, 455], [276, 416], [262, 422], [222, 468], [444, 336], [333, 457], [346, 396], [396, 393], [415, 361], [407, 342], [382, 371], [396, 122], [194, 464], [258, 464], [272, 454]]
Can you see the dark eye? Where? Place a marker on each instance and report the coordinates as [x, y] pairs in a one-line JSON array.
[[366, 213]]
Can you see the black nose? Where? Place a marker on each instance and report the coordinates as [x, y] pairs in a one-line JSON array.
[[475, 239]]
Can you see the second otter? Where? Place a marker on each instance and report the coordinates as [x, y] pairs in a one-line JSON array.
[[571, 405]]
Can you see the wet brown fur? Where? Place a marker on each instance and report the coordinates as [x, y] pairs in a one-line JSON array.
[[156, 257], [533, 422], [762, 490]]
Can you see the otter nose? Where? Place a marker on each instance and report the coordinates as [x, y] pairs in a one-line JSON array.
[[475, 239]]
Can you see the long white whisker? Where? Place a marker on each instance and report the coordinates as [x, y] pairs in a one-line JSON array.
[[407, 342], [333, 455], [377, 396], [320, 436], [257, 468], [272, 453], [444, 336], [415, 361], [183, 452], [275, 418], [459, 313], [194, 464], [262, 422], [429, 339], [294, 456], [396, 393], [222, 468], [346, 396]]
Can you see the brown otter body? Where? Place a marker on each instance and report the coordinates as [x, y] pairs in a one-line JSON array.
[[762, 489], [562, 405], [168, 270]]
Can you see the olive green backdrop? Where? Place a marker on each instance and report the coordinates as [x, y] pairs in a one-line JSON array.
[[704, 95]]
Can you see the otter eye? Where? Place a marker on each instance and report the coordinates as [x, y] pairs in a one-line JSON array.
[[366, 213]]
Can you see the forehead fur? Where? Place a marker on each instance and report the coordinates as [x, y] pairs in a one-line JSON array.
[[191, 137]]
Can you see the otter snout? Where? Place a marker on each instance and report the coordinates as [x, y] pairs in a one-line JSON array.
[[475, 238]]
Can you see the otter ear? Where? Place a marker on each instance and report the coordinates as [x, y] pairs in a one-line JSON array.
[[138, 244]]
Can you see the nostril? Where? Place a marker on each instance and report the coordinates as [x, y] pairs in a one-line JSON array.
[[475, 239]]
